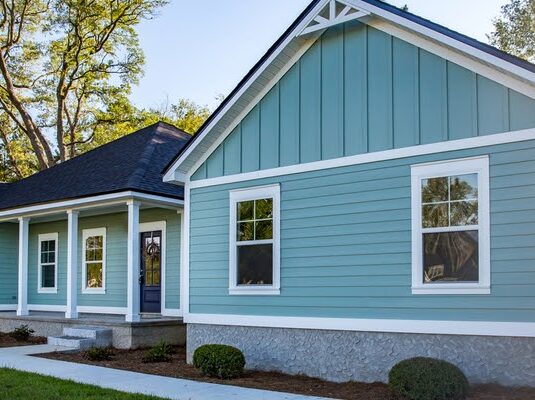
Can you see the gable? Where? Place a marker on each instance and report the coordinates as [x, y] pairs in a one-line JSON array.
[[358, 90]]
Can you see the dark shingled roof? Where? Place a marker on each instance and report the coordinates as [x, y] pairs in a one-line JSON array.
[[133, 162], [380, 4]]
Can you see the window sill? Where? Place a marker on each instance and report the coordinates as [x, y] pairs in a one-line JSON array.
[[430, 290], [47, 291], [254, 291], [93, 291]]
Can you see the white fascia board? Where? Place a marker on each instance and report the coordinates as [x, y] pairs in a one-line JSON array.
[[481, 55], [171, 175], [478, 328], [85, 203], [521, 79]]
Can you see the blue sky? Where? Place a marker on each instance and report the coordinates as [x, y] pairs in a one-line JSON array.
[[199, 49]]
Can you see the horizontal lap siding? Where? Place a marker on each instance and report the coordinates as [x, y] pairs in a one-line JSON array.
[[359, 90], [8, 263], [346, 244]]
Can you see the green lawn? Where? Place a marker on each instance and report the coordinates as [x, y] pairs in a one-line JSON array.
[[15, 385]]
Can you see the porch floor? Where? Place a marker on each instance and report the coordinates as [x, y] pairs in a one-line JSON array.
[[88, 319], [150, 330]]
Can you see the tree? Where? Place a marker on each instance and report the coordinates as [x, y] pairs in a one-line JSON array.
[[61, 63], [514, 29]]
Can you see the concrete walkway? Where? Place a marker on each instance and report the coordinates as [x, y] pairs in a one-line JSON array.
[[19, 358]]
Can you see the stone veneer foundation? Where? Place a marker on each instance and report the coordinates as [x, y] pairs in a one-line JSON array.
[[368, 356]]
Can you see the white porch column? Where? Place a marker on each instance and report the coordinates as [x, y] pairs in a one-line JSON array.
[[133, 300], [22, 304], [72, 264]]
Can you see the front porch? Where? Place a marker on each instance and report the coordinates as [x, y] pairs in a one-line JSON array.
[[73, 260], [147, 331]]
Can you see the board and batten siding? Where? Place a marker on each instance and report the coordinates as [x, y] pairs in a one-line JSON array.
[[9, 241], [359, 90], [346, 244], [116, 253]]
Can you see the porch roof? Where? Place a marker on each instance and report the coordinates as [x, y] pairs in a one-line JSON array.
[[131, 163]]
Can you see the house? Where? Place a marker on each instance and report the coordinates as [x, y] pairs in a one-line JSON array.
[[96, 240], [365, 195]]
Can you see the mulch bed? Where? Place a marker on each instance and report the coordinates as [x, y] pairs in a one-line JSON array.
[[131, 360], [7, 341]]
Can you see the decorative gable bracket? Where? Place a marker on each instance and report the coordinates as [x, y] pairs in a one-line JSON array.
[[333, 13]]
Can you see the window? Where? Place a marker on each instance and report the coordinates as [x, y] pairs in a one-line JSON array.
[[48, 264], [450, 233], [254, 241], [94, 260]]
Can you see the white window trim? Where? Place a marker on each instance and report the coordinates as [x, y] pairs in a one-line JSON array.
[[86, 233], [43, 238], [479, 165], [261, 192]]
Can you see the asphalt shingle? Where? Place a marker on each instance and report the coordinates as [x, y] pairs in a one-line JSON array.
[[133, 162]]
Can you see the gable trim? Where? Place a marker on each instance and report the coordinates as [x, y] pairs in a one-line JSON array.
[[472, 57], [432, 148]]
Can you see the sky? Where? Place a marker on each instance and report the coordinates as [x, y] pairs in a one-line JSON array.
[[201, 49]]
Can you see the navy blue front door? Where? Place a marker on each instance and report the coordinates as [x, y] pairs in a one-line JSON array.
[[151, 268]]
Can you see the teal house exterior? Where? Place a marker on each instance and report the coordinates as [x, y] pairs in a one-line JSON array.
[[365, 195], [96, 238]]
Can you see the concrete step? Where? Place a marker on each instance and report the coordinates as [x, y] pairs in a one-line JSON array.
[[74, 342], [102, 337]]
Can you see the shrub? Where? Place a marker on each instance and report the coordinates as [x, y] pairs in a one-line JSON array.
[[219, 361], [427, 379], [99, 354], [159, 353], [22, 333]]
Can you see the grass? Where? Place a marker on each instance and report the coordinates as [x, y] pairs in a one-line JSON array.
[[15, 385]]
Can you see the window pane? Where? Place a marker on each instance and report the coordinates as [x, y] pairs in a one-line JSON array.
[[98, 255], [156, 278], [255, 265], [94, 275], [90, 255], [434, 190], [89, 243], [246, 211], [451, 257], [435, 215], [463, 187], [44, 246], [245, 231], [99, 240], [264, 230], [464, 213], [48, 276], [264, 209]]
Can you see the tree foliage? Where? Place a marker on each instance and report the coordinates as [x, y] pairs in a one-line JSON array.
[[514, 29]]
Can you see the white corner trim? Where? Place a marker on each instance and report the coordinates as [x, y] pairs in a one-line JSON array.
[[478, 328], [172, 312], [393, 154], [255, 193], [473, 165], [184, 252], [86, 233], [101, 310], [42, 238], [8, 307], [159, 226]]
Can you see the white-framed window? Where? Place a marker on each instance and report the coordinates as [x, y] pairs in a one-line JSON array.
[[94, 260], [47, 270], [451, 227], [255, 241]]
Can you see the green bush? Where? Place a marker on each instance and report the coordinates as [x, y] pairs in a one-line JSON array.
[[22, 333], [159, 353], [219, 361], [99, 354], [427, 379]]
